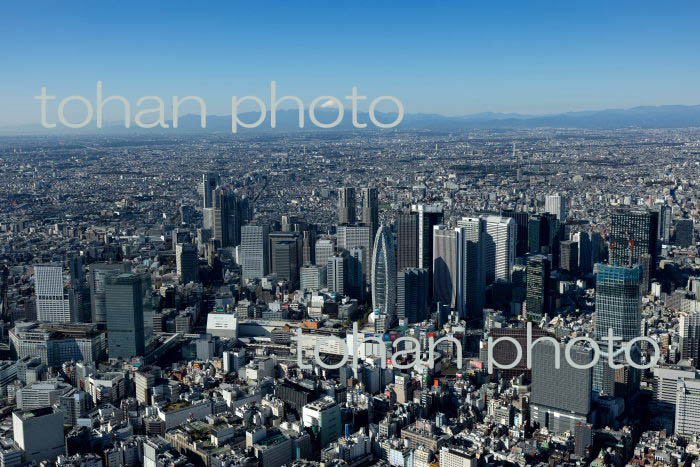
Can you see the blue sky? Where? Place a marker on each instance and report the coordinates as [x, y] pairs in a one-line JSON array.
[[451, 58]]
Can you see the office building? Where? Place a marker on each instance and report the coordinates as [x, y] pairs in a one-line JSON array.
[[457, 457], [499, 247], [689, 330], [226, 218], [384, 272], [125, 323], [471, 267], [522, 219], [337, 273], [285, 256], [561, 398], [618, 301], [187, 262], [324, 414], [370, 209], [325, 248], [557, 205], [353, 236], [684, 233], [665, 221], [585, 263], [407, 241], [346, 206], [56, 343], [665, 386], [96, 281], [52, 300], [568, 258], [445, 265], [41, 394], [412, 295], [312, 277], [210, 181], [687, 407], [39, 433], [254, 251], [538, 296], [632, 235], [428, 217]]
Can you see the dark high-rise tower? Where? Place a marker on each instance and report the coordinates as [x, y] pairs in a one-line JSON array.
[[286, 254], [538, 295], [407, 241], [632, 235], [226, 218], [209, 183], [664, 229], [618, 301], [684, 235], [412, 295], [521, 220], [471, 259], [569, 256], [125, 325], [346, 206], [445, 265], [428, 217], [370, 209]]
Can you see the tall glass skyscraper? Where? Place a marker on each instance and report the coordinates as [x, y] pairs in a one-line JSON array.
[[618, 307], [384, 272], [471, 267], [632, 235], [346, 206], [125, 326], [538, 270], [618, 301]]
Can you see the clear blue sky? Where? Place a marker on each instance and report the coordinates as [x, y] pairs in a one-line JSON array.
[[516, 56]]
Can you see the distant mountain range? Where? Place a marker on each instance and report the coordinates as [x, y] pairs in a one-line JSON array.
[[665, 116]]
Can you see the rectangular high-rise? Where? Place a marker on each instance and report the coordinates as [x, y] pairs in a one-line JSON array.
[[254, 251], [499, 247], [684, 235], [39, 433], [618, 301], [633, 234], [187, 262], [337, 273], [665, 220], [286, 253], [97, 281], [471, 238], [52, 299], [557, 205], [412, 295], [538, 294], [346, 206], [428, 217], [325, 248], [521, 220], [561, 398], [207, 186], [445, 265], [226, 217], [687, 407], [406, 241], [568, 258], [125, 324], [370, 209], [353, 236]]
